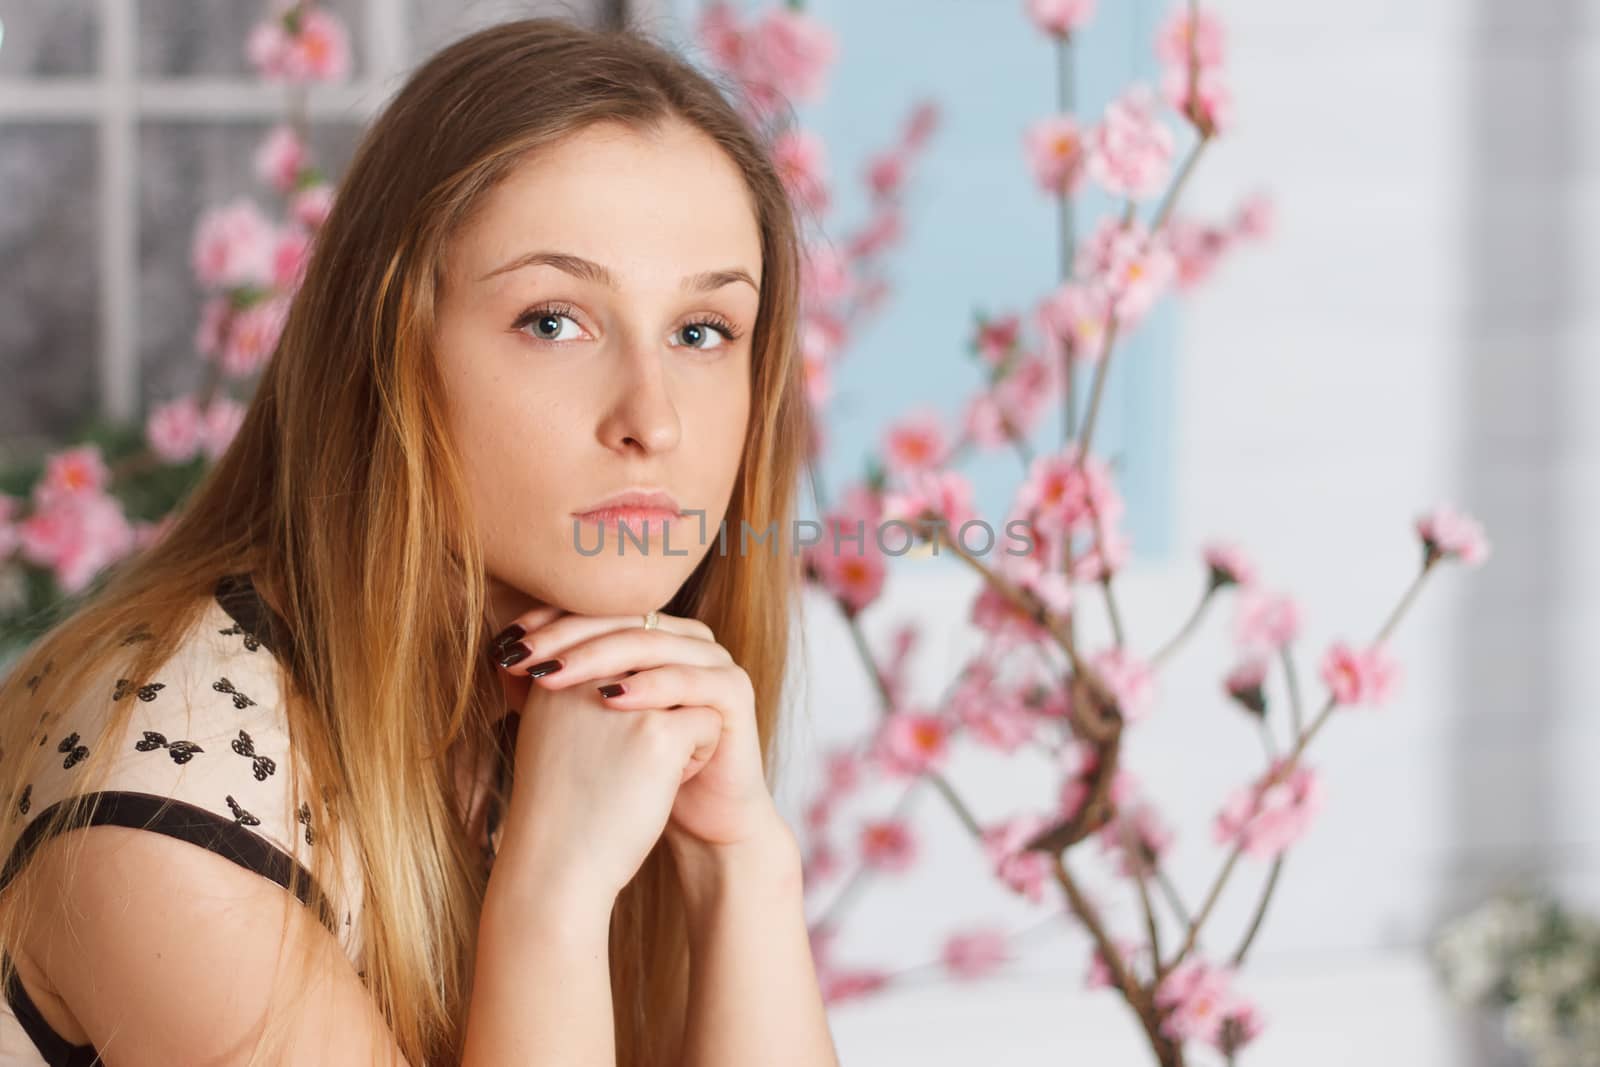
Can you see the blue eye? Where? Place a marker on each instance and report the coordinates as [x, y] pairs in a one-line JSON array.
[[705, 329], [545, 317]]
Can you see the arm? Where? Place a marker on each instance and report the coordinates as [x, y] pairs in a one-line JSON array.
[[753, 990], [542, 983], [166, 953]]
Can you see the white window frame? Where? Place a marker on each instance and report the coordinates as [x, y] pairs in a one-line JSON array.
[[117, 99]]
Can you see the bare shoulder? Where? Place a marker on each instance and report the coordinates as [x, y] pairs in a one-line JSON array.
[[161, 952]]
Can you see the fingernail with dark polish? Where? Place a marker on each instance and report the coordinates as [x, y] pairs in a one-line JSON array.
[[505, 637], [539, 670], [515, 654], [615, 689]]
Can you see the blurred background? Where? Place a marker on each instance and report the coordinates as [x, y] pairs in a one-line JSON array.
[[1414, 330]]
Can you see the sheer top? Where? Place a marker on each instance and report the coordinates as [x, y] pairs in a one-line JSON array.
[[204, 759]]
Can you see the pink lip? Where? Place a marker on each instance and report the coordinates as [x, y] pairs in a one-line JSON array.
[[650, 503], [633, 516]]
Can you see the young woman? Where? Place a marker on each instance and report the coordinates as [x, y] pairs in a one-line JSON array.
[[363, 670]]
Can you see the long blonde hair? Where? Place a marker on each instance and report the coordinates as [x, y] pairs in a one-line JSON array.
[[342, 497]]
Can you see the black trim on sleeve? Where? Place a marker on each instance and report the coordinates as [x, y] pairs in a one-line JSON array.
[[56, 1050], [162, 815]]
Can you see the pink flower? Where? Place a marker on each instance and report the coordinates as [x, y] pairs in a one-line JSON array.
[[800, 158], [311, 46], [947, 497], [1255, 218], [77, 535], [1130, 151], [992, 716], [233, 246], [1265, 621], [1058, 496], [997, 339], [311, 205], [886, 173], [1150, 839], [883, 230], [1196, 248], [849, 563], [719, 34], [209, 334], [1099, 973], [820, 864], [913, 744], [1449, 534], [1366, 676], [1129, 679], [1177, 35], [916, 443], [1056, 154], [1109, 554], [844, 985], [176, 430], [1061, 17], [1134, 268], [280, 158], [1023, 871], [1268, 816], [824, 274], [888, 845], [71, 472], [1241, 1024], [975, 953], [252, 336], [843, 769], [1228, 565], [1244, 684], [222, 419], [793, 50], [289, 255], [1194, 996], [1076, 314], [1210, 107]]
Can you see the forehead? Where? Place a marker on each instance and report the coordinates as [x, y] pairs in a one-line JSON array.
[[651, 205]]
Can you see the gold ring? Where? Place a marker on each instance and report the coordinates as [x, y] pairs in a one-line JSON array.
[[651, 620]]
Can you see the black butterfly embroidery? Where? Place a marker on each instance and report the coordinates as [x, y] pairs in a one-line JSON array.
[[260, 766], [75, 752], [147, 693], [240, 816], [304, 816], [251, 641], [140, 632], [180, 751], [27, 799], [222, 685]]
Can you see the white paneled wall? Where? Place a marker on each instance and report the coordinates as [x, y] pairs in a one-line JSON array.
[[1419, 330]]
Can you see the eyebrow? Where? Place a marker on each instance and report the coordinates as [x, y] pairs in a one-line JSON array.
[[590, 271]]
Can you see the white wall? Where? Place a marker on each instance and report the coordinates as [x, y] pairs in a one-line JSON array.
[[1417, 331]]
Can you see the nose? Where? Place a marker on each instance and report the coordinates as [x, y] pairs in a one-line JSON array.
[[641, 415]]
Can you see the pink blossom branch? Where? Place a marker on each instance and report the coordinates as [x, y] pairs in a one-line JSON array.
[[1261, 911], [1291, 761]]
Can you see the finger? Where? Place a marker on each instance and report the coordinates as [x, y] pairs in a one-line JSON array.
[[571, 628], [622, 651], [725, 687], [699, 730], [507, 648]]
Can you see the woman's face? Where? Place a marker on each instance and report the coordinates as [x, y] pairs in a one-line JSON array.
[[581, 341]]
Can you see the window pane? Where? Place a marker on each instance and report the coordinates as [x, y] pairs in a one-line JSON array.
[[49, 38], [181, 38], [184, 170], [49, 304]]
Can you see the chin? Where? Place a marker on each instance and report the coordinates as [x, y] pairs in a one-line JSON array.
[[621, 587]]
